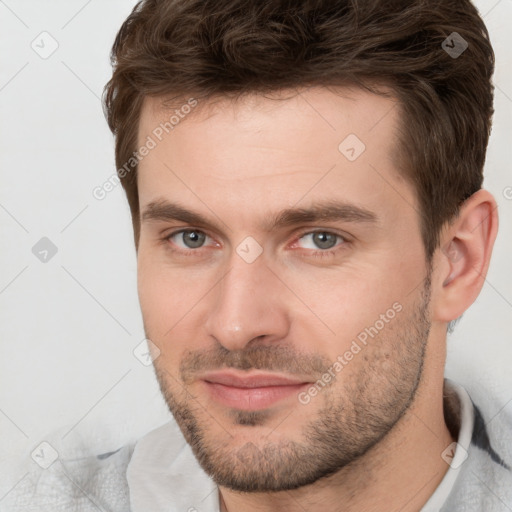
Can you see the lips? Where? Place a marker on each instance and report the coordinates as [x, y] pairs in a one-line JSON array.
[[251, 392], [250, 381]]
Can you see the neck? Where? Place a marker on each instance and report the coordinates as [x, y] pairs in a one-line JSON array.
[[401, 472]]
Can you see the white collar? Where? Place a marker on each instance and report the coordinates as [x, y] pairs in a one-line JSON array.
[[467, 420], [164, 475]]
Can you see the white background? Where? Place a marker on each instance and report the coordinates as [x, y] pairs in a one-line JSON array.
[[68, 327]]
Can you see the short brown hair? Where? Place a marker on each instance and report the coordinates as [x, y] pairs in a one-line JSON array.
[[209, 48]]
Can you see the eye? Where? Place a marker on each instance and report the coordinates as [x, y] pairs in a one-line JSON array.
[[187, 238], [324, 240]]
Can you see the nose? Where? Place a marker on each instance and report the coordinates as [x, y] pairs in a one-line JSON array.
[[250, 302]]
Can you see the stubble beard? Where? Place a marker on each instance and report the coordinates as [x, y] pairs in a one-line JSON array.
[[352, 420]]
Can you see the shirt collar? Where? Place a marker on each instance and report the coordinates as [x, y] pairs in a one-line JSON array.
[[163, 474], [463, 414]]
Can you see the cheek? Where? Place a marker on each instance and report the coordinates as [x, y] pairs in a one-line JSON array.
[[157, 294], [350, 305], [169, 297], [341, 302], [160, 305]]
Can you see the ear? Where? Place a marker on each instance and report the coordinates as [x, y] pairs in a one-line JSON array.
[[464, 255]]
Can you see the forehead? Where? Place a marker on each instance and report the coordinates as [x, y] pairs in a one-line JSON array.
[[273, 150], [332, 109]]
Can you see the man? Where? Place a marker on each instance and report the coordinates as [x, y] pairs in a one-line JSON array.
[[305, 183]]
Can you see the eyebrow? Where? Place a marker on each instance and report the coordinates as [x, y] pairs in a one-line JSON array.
[[332, 210]]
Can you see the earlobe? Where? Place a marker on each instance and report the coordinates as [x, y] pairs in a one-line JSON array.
[[465, 254]]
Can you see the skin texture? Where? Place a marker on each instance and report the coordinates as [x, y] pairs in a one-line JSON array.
[[372, 438]]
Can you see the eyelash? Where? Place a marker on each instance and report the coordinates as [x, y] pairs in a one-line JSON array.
[[315, 253]]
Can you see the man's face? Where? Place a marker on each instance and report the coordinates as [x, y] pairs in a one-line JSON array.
[[289, 344]]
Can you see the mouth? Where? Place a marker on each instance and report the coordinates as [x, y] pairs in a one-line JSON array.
[[251, 392]]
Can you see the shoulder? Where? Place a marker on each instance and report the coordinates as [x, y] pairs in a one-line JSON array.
[[92, 483]]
